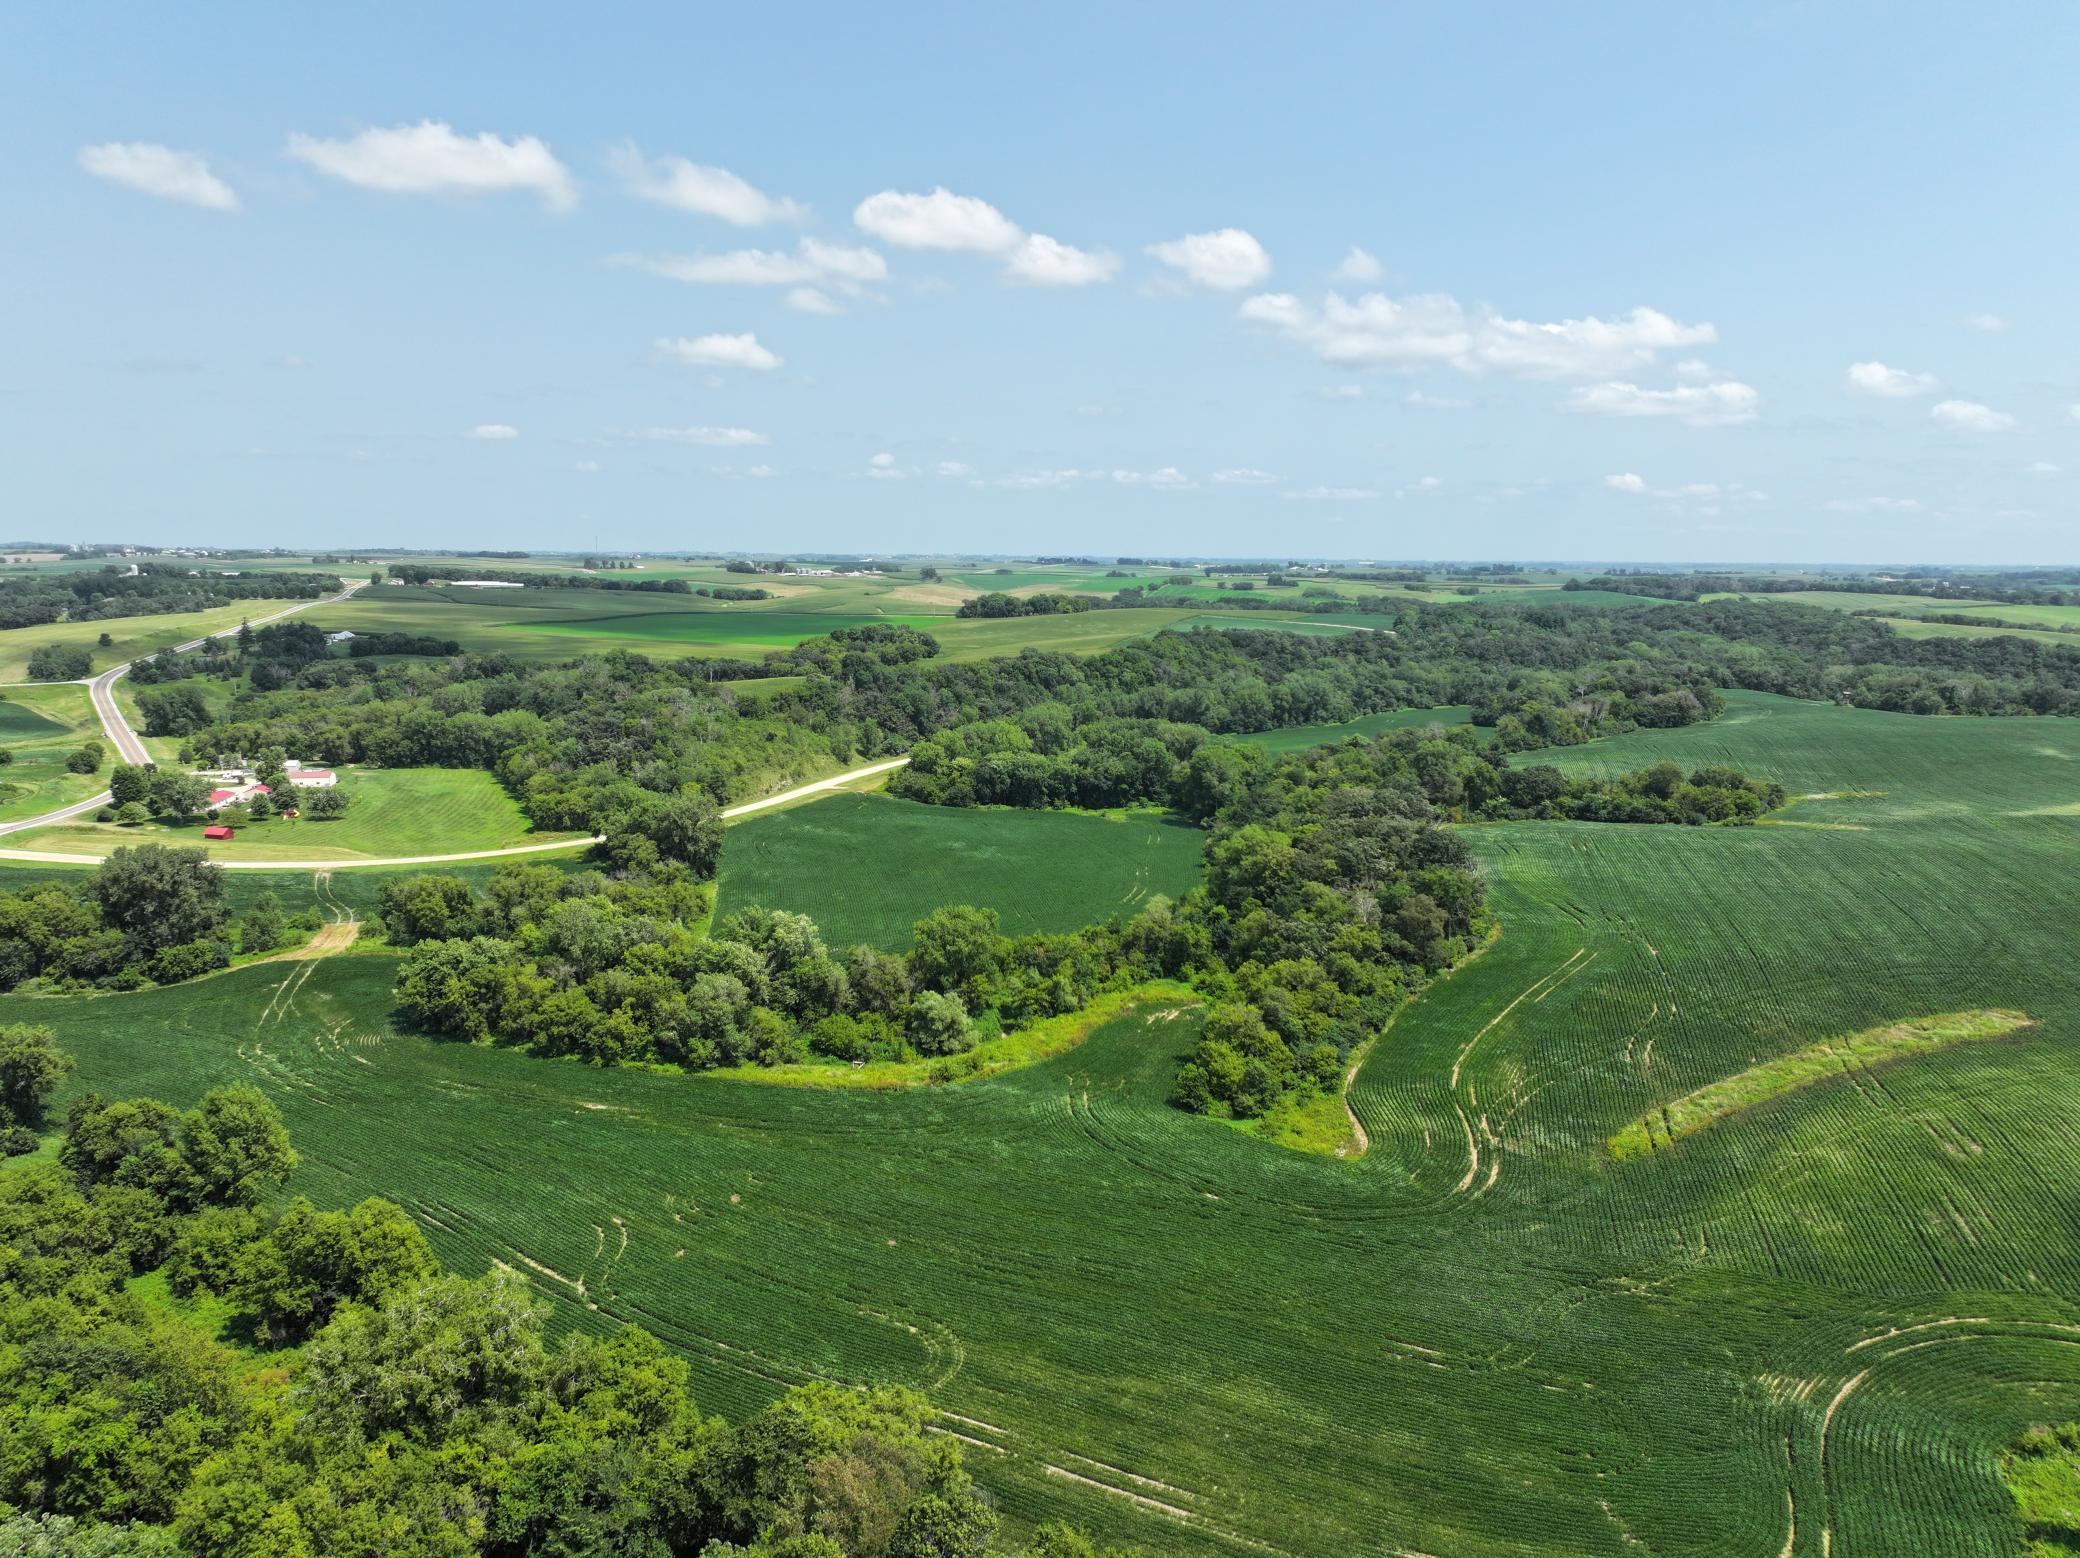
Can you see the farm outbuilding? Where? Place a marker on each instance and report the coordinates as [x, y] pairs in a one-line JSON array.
[[217, 831]]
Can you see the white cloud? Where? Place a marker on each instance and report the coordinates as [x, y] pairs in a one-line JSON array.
[[1035, 479], [1626, 481], [2042, 468], [811, 262], [1693, 370], [1701, 405], [1423, 484], [882, 460], [1971, 417], [1360, 267], [1331, 494], [1244, 476], [1042, 261], [161, 171], [429, 158], [1871, 505], [1423, 402], [1374, 330], [1169, 478], [758, 472], [2073, 412], [718, 351], [1342, 392], [692, 186], [1992, 324], [587, 466], [807, 300], [1874, 378], [492, 432], [705, 437], [883, 467], [951, 468], [940, 220], [1227, 259]]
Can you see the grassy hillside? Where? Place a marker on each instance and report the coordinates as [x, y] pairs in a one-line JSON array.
[[42, 727], [131, 636], [868, 867], [1811, 1328]]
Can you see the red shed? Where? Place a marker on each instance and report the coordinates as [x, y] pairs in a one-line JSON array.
[[219, 831]]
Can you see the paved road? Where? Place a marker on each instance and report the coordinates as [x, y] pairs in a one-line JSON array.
[[129, 746]]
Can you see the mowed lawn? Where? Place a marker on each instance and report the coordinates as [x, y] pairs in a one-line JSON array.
[[394, 812], [868, 867], [42, 727]]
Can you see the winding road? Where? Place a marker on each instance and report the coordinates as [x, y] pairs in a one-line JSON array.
[[131, 749]]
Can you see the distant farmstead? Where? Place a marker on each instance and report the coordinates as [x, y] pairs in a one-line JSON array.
[[237, 794], [309, 778]]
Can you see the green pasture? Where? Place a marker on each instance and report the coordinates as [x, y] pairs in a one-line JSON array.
[[1299, 738], [130, 636], [1811, 1330], [42, 727], [868, 867], [393, 813]]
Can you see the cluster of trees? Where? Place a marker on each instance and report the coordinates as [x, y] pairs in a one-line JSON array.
[[140, 792], [609, 971], [98, 594], [60, 663], [362, 645], [147, 915], [423, 1413], [439, 573], [1046, 603], [733, 592]]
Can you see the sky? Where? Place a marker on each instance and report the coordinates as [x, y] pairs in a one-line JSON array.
[[1651, 283]]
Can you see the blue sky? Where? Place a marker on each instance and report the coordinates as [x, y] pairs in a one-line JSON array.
[[1653, 282]]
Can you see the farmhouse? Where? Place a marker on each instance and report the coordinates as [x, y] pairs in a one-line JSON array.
[[309, 778], [343, 636], [237, 794]]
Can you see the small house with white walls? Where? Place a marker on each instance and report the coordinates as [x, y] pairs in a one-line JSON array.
[[309, 778]]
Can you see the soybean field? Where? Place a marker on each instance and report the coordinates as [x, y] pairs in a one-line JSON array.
[[1809, 1329]]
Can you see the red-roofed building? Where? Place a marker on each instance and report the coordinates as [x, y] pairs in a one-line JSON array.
[[218, 831], [311, 778], [237, 794]]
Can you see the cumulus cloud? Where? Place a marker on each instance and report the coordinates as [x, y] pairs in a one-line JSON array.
[[1971, 417], [718, 351], [1626, 481], [1701, 405], [430, 158], [159, 170], [2042, 468], [1169, 479], [883, 467], [1037, 479], [811, 263], [493, 432], [1874, 378], [939, 220], [1227, 259], [951, 468], [693, 186], [1244, 476], [705, 437], [1992, 324], [1042, 261], [1359, 266], [1374, 330], [807, 300], [966, 224]]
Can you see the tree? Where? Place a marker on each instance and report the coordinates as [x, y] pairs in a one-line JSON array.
[[133, 813], [263, 926], [60, 663], [129, 782], [939, 1025], [105, 641], [325, 805], [31, 1064], [235, 1146], [178, 795], [177, 710], [159, 897], [87, 760], [310, 1262]]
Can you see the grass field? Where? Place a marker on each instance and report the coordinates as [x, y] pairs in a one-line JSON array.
[[867, 867], [1299, 738], [394, 812], [42, 727], [1812, 1330], [131, 636]]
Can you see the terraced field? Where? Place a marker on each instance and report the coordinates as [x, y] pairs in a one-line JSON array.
[[867, 867], [1807, 1330]]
